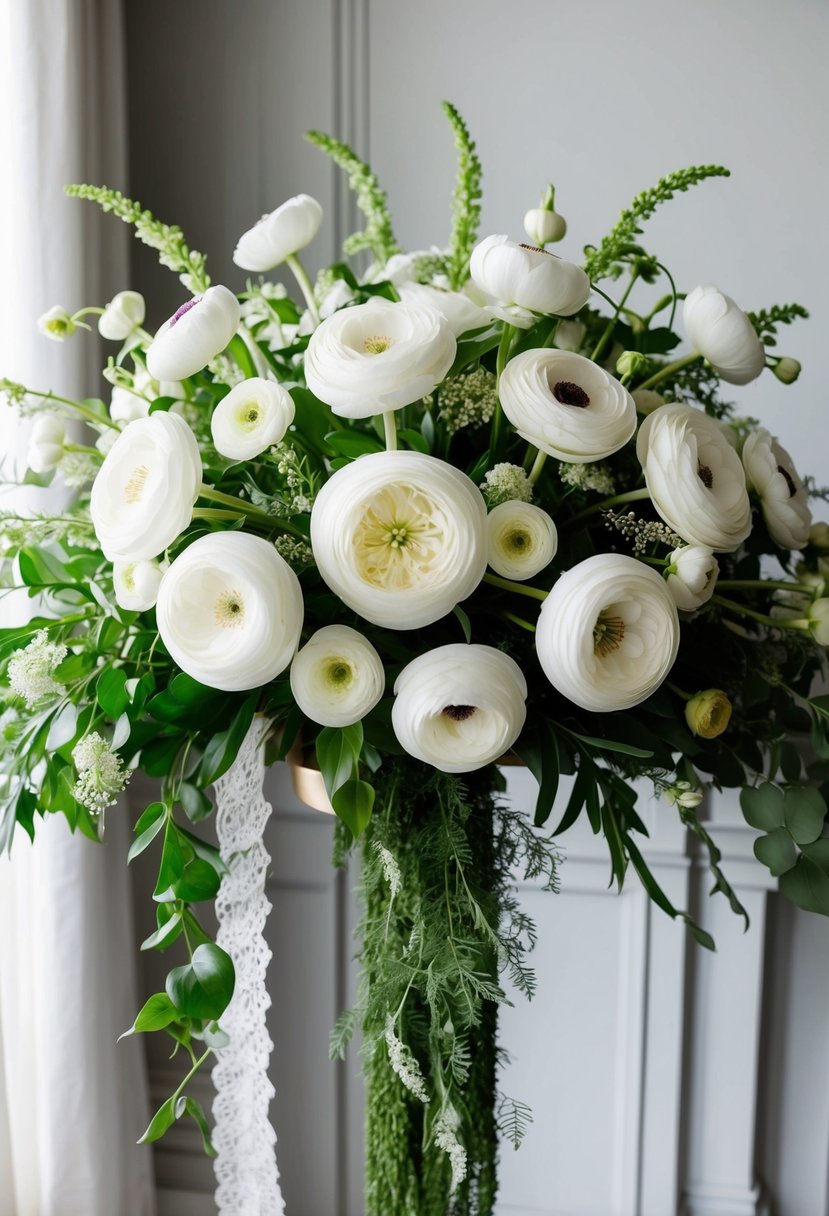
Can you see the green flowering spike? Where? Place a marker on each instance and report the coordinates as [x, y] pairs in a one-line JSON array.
[[378, 235], [466, 206], [167, 239], [767, 320], [601, 262]]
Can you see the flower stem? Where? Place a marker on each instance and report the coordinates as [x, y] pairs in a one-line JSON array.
[[765, 584], [671, 369], [390, 429], [248, 510], [299, 273], [81, 447], [686, 696], [500, 364], [611, 325], [506, 584], [538, 465], [83, 410], [774, 622], [259, 361], [615, 501], [517, 620]]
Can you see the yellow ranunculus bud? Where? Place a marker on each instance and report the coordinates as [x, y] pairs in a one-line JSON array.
[[708, 713]]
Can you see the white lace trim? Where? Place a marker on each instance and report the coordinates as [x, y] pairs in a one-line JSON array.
[[247, 1177]]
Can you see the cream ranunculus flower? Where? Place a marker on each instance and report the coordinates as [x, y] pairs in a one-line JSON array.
[[523, 281], [195, 333], [521, 539], [46, 440], [137, 583], [124, 313], [144, 493], [460, 312], [694, 477], [459, 707], [337, 677], [230, 611], [783, 498], [400, 537], [691, 575], [279, 234], [378, 356], [252, 417], [722, 332], [608, 633], [566, 405]]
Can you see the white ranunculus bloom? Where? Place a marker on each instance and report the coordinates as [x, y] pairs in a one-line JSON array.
[[46, 440], [521, 539], [459, 707], [195, 333], [783, 498], [143, 496], [523, 281], [137, 583], [459, 311], [252, 417], [124, 313], [722, 332], [691, 575], [400, 537], [694, 477], [337, 677], [378, 356], [608, 633], [566, 405], [230, 611], [279, 234], [56, 324]]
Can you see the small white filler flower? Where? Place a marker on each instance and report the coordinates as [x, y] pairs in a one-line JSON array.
[[31, 671], [337, 677], [101, 774]]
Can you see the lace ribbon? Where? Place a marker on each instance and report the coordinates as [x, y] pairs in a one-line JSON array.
[[247, 1177]]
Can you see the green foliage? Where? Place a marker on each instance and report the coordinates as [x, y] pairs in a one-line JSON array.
[[605, 260], [378, 234], [167, 239], [466, 204], [767, 320]]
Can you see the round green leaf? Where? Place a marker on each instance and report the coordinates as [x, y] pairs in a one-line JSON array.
[[807, 885], [203, 988], [762, 806], [805, 812], [776, 851]]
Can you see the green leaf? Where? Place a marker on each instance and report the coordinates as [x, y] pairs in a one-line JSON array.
[[160, 405], [203, 987], [353, 802], [148, 826], [223, 748], [818, 853], [585, 780], [196, 1112], [776, 851], [790, 762], [465, 623], [158, 1012], [538, 748], [172, 863], [162, 1121], [762, 806], [165, 934], [807, 886], [198, 881], [415, 440], [338, 751], [608, 745], [805, 812], [353, 443], [197, 805]]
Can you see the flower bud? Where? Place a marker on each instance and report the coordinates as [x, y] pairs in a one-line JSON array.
[[544, 227], [819, 536], [46, 441], [708, 713], [124, 313], [56, 324], [786, 370], [819, 621], [631, 362]]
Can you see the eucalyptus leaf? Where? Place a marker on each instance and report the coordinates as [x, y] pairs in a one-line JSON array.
[[805, 812], [776, 851], [762, 806]]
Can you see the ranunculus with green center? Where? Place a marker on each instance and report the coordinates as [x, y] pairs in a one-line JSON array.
[[783, 498], [400, 537], [523, 281], [279, 235], [608, 633], [230, 611], [722, 332], [521, 539], [144, 494], [56, 324], [691, 575], [378, 356], [136, 583], [337, 677], [197, 331], [251, 418], [123, 314], [694, 477], [566, 405], [459, 707]]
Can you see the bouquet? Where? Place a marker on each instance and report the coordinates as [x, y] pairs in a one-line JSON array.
[[445, 510]]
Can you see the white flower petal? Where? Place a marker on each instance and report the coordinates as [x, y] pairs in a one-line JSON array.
[[457, 309]]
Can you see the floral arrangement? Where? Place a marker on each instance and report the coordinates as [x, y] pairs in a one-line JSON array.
[[454, 507]]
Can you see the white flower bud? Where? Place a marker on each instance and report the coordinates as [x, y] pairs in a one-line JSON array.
[[570, 335], [647, 400], [786, 370], [56, 324], [544, 227], [124, 313], [723, 333], [691, 575], [819, 536], [819, 621], [279, 234], [137, 583], [46, 440], [337, 677]]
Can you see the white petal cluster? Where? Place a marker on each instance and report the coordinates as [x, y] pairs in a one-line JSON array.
[[722, 332], [400, 537], [566, 405], [197, 331], [101, 775], [31, 671], [378, 356], [521, 539], [783, 498], [56, 324], [608, 633], [123, 314], [137, 583], [230, 611], [694, 477], [460, 312], [252, 417], [46, 440], [143, 496], [691, 575], [279, 234], [337, 677], [522, 281], [459, 707]]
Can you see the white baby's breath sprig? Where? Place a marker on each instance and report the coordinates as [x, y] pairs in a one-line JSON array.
[[506, 482], [468, 401], [31, 672], [101, 774], [596, 477], [446, 1138]]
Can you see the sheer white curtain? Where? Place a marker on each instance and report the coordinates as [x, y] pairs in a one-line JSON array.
[[72, 1102]]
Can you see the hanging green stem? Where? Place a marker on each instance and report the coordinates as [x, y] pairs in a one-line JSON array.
[[611, 325], [665, 373]]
